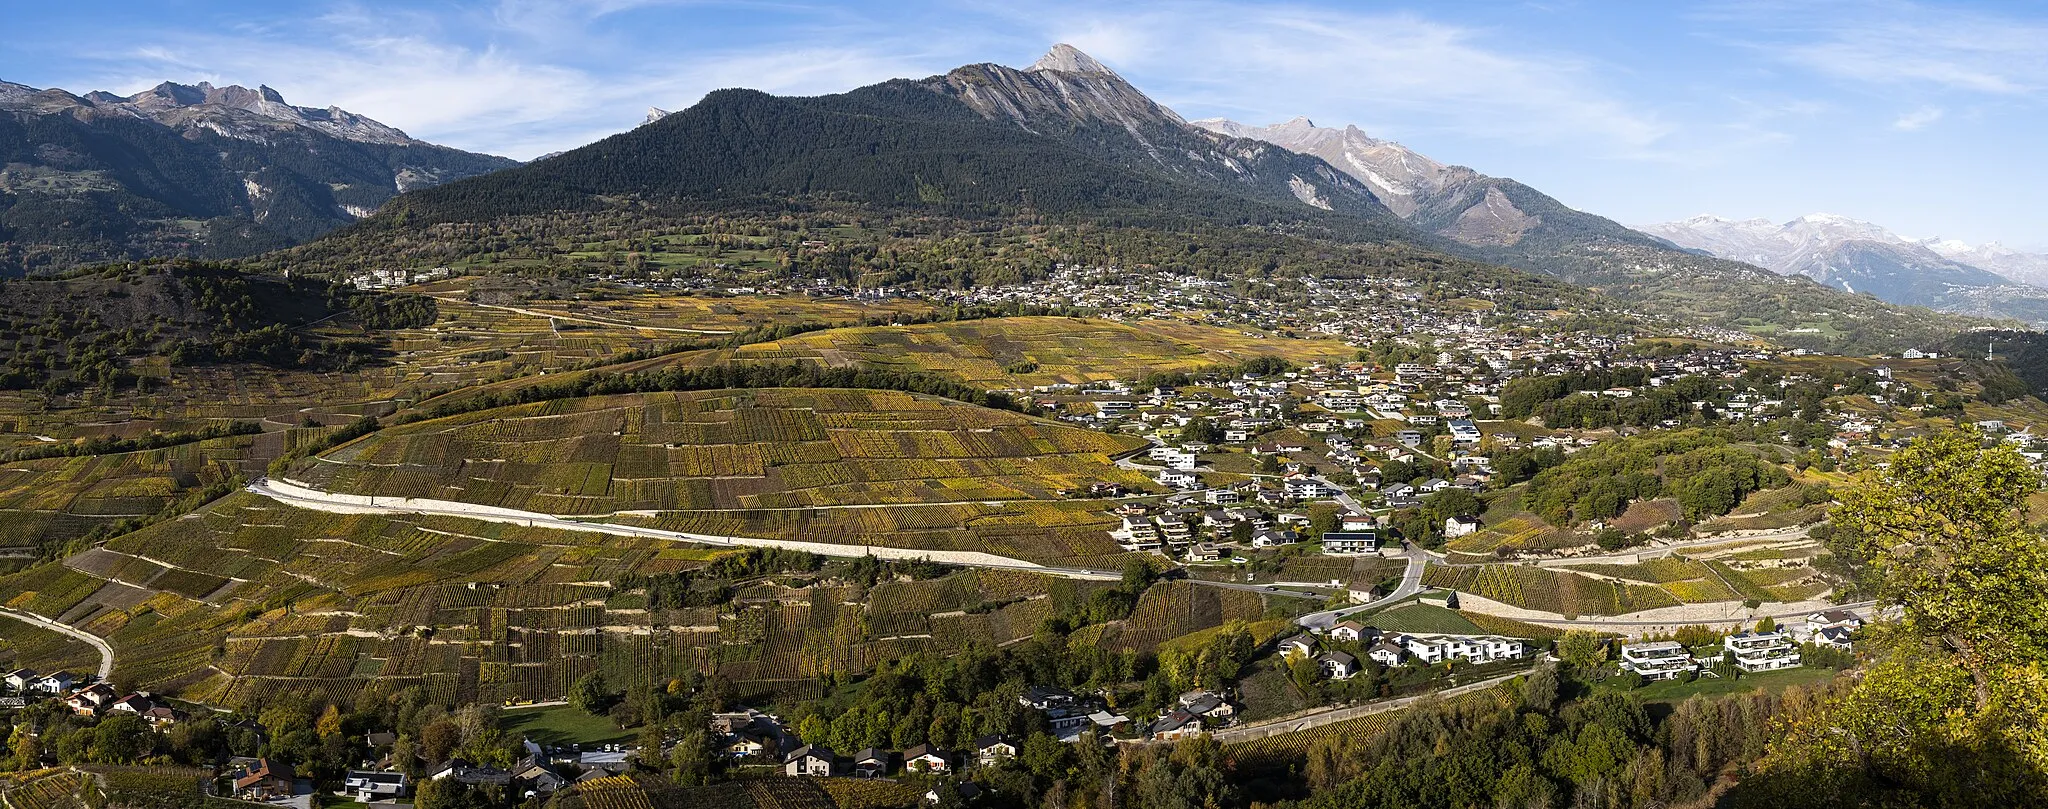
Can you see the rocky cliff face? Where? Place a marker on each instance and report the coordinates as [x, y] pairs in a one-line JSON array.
[[193, 170], [1069, 95]]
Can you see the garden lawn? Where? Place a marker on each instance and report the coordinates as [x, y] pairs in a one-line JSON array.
[[562, 724], [1675, 691]]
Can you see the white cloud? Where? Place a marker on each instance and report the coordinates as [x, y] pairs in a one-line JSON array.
[[492, 91], [1902, 44], [1919, 119], [1268, 63]]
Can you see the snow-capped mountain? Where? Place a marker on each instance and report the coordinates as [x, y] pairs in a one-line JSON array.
[[1861, 256], [2031, 268]]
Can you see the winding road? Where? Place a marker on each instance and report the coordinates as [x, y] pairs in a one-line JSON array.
[[1411, 583], [106, 652], [1301, 722]]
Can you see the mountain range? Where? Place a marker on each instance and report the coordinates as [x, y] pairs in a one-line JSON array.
[[1069, 139], [193, 170], [1860, 256]]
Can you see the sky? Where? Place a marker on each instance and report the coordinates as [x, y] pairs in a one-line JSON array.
[[1921, 117]]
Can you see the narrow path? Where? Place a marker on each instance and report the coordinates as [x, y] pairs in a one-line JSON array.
[[106, 652], [1295, 724], [553, 316], [294, 494]]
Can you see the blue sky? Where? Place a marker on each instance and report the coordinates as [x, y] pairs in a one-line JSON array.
[[1925, 118]]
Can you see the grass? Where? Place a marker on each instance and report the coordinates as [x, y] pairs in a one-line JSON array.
[[562, 724], [1422, 618], [1770, 681]]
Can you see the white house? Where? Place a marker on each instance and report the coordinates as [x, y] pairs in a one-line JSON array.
[[1763, 651]]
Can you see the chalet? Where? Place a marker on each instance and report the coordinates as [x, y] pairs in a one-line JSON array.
[[537, 778], [143, 704], [1297, 645], [19, 680], [1832, 619], [1348, 631], [1385, 653], [873, 763], [1178, 724], [374, 785], [810, 760], [88, 701], [1207, 705], [1338, 665], [1270, 538], [927, 758], [1460, 525], [266, 779], [749, 742], [54, 683], [993, 749]]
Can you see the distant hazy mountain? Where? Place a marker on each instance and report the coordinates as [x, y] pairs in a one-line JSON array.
[[2031, 268], [193, 171], [1862, 257]]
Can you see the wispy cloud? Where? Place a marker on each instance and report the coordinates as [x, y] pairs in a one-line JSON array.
[[1902, 44], [1919, 119], [1413, 74]]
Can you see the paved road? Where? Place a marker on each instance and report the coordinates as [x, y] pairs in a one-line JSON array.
[[106, 652], [1598, 624], [1295, 724], [306, 497], [1411, 583]]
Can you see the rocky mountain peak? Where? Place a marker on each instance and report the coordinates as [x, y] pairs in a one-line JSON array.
[[654, 114], [1066, 58]]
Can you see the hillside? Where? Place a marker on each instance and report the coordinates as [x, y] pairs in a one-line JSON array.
[[195, 171], [97, 328]]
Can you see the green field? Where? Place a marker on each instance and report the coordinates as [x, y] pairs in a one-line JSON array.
[[1675, 691], [561, 724]]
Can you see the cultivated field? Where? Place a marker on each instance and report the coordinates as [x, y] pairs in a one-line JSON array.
[[845, 466]]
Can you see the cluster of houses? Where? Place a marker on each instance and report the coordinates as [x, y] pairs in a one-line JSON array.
[[1396, 648], [89, 698], [1753, 651], [817, 760]]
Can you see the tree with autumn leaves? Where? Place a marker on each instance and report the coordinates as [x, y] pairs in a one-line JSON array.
[[1953, 709]]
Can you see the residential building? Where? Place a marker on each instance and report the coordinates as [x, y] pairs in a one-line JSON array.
[[1179, 724], [1460, 525], [927, 758], [1657, 660], [993, 749], [1338, 665], [1763, 651], [1351, 542], [374, 785], [873, 763], [1348, 631], [810, 760]]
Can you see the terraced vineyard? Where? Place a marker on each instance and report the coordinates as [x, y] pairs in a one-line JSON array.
[[845, 466], [249, 598], [1546, 590], [1015, 352]]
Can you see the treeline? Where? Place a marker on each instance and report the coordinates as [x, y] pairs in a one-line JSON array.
[[711, 585], [1701, 469], [83, 330], [1558, 743], [1575, 400], [727, 376], [110, 445]]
